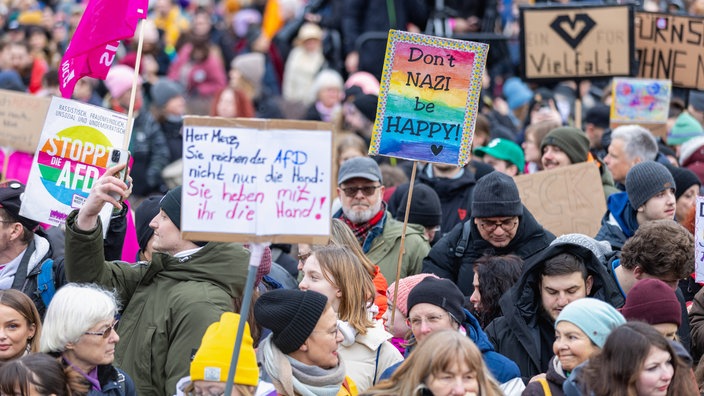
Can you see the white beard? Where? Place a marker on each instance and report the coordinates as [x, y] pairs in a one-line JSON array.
[[361, 216]]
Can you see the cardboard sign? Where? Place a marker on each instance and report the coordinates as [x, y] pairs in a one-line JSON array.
[[576, 42], [699, 241], [670, 47], [640, 101], [74, 150], [21, 120], [428, 100], [565, 200], [252, 180]]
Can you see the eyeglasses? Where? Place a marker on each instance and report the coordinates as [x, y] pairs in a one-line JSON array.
[[506, 225], [105, 333], [302, 257], [416, 322], [366, 190]]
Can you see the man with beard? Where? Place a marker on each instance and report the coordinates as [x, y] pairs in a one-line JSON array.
[[360, 190]]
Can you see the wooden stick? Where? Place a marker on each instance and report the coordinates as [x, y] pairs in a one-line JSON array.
[[133, 95], [403, 236], [578, 113]]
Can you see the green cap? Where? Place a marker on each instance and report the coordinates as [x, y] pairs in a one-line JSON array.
[[503, 149]]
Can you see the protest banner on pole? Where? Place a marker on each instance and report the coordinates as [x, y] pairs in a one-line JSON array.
[[640, 101], [699, 241], [253, 180], [428, 100], [669, 46], [576, 41], [565, 200], [73, 152], [21, 120]]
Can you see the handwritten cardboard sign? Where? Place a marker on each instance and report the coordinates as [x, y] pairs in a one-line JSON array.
[[699, 241], [73, 152], [567, 42], [640, 101], [565, 200], [428, 99], [21, 120], [670, 47], [252, 180]]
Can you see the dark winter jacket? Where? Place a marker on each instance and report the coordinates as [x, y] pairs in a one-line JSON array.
[[150, 153], [113, 382], [525, 333], [555, 378], [619, 222], [169, 302], [38, 251], [530, 239], [455, 197]]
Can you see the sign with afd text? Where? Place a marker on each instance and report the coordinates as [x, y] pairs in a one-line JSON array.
[[74, 151], [670, 47], [576, 42], [428, 99], [253, 180], [21, 119], [640, 101]]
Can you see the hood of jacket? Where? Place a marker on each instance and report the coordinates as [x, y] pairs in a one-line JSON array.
[[623, 213], [528, 229], [475, 332], [446, 188]]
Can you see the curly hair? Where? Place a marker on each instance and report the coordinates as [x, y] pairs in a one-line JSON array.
[[661, 248], [496, 274]]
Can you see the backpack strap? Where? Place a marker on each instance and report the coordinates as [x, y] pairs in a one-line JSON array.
[[464, 239], [546, 386], [45, 282], [376, 365]]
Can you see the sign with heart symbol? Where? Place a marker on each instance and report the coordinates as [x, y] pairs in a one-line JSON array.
[[428, 99], [564, 42]]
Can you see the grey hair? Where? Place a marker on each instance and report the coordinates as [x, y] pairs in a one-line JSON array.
[[73, 310], [327, 78], [638, 142]]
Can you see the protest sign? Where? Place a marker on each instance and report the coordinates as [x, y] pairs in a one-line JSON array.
[[428, 99], [565, 200], [74, 150], [699, 241], [670, 47], [640, 101], [252, 180], [576, 42], [21, 120]]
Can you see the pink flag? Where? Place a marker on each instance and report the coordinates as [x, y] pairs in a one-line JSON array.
[[93, 45]]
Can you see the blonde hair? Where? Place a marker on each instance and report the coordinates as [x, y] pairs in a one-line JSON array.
[[341, 235], [437, 353], [341, 268]]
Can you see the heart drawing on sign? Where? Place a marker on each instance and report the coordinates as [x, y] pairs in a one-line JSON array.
[[436, 149], [574, 30]]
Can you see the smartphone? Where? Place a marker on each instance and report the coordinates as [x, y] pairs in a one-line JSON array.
[[118, 157]]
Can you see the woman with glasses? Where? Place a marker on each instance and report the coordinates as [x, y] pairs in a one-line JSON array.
[[20, 325], [79, 328], [336, 272]]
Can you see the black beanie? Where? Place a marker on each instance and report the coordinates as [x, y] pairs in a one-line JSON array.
[[290, 314], [684, 179], [366, 104], [440, 292], [496, 195], [171, 204], [571, 140], [144, 214], [646, 179], [425, 207]]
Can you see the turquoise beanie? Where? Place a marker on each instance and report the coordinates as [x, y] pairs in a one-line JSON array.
[[594, 317], [685, 128]]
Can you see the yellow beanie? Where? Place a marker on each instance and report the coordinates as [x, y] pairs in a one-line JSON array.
[[212, 361]]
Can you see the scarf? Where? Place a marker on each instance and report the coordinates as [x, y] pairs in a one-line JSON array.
[[361, 230], [292, 377]]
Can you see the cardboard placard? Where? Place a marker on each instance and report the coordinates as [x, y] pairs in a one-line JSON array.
[[565, 200], [699, 241], [73, 152], [21, 120], [670, 47], [428, 99], [640, 101], [248, 180], [576, 42]]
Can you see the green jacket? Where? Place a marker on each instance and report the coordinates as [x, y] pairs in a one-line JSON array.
[[168, 302], [385, 249]]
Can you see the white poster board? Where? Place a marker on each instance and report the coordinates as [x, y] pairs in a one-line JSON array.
[[699, 241], [73, 152], [256, 180]]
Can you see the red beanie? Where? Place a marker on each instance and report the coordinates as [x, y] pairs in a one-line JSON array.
[[654, 302]]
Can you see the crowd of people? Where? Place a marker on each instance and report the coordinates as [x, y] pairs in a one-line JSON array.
[[473, 297]]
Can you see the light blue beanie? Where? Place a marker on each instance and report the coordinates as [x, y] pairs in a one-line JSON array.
[[594, 317]]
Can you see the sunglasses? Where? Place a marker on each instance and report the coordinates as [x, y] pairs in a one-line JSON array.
[[105, 333], [366, 190]]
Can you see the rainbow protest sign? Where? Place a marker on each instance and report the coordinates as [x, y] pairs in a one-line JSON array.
[[429, 96], [74, 150]]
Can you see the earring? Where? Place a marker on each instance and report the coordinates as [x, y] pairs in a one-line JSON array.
[[29, 345]]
